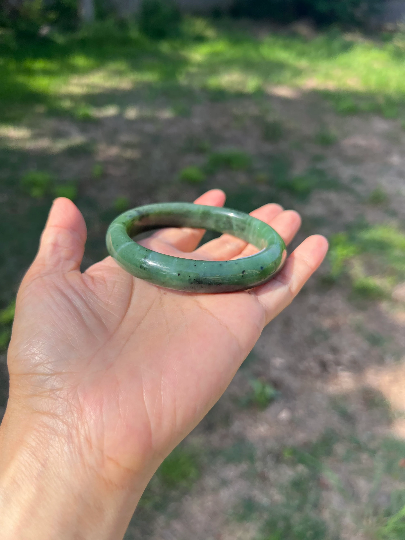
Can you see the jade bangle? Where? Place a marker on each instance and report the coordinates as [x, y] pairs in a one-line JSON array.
[[194, 275]]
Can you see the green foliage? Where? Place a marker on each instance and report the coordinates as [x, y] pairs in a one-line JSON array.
[[68, 190], [342, 249], [325, 138], [98, 170], [29, 17], [301, 186], [368, 288], [311, 456], [394, 520], [197, 145], [36, 183], [246, 509], [159, 19], [7, 314], [108, 34], [192, 175], [380, 248], [83, 112], [230, 159], [6, 320], [283, 524], [39, 184], [261, 395], [280, 10], [343, 12], [345, 105], [121, 204], [378, 197], [80, 148], [180, 468], [297, 516]]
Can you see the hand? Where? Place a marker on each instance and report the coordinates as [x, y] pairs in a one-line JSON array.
[[112, 371]]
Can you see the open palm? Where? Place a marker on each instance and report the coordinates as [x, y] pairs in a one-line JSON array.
[[126, 368]]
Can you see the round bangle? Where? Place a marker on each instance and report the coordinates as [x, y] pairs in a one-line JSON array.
[[195, 275]]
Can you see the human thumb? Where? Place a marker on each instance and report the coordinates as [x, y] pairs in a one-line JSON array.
[[62, 242]]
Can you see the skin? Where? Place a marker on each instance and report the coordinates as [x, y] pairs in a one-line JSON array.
[[108, 373]]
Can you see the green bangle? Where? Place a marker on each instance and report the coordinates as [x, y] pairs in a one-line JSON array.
[[194, 275]]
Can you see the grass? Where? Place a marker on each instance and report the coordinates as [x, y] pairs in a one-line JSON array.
[[97, 170], [393, 527], [6, 320], [372, 257], [365, 77], [325, 138], [192, 175], [296, 516], [233, 159], [176, 475], [260, 395], [36, 183], [300, 186], [72, 78], [180, 468], [68, 190], [121, 204], [378, 197]]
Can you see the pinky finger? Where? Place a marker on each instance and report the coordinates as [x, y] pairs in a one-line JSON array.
[[278, 293]]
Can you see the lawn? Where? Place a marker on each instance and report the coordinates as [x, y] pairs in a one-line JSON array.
[[307, 443]]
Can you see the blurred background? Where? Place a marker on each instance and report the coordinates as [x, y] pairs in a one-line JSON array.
[[119, 103]]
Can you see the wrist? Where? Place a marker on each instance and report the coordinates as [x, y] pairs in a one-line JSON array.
[[50, 487]]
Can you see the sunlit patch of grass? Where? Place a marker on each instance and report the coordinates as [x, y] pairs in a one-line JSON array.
[[391, 526], [222, 60], [6, 320], [373, 257], [83, 112]]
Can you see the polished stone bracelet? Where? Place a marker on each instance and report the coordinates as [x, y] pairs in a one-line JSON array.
[[195, 275]]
